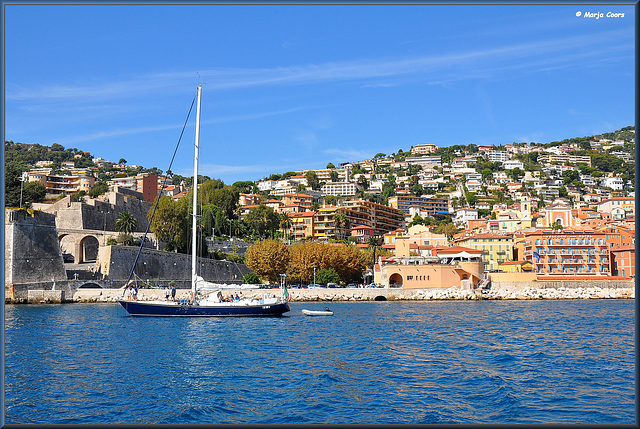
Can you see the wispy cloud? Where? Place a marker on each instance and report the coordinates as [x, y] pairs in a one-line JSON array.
[[536, 56]]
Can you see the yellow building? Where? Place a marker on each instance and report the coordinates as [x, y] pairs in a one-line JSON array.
[[496, 248], [323, 224], [301, 225], [424, 148]]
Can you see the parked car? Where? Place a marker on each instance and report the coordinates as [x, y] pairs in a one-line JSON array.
[[351, 286]]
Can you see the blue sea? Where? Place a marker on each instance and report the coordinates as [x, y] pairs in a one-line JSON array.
[[438, 362]]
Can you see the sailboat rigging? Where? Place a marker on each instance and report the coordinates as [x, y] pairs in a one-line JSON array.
[[212, 305]]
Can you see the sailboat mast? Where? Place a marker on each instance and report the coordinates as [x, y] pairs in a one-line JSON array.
[[194, 244]]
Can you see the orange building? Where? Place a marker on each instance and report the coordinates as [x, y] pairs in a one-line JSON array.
[[567, 253], [618, 237], [623, 261]]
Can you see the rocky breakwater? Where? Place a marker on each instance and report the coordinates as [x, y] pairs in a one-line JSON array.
[[327, 295], [586, 292]]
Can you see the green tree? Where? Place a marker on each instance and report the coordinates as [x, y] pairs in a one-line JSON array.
[[330, 165], [171, 223], [516, 174], [327, 275], [126, 223], [33, 192], [262, 219], [122, 161], [217, 193], [363, 182], [341, 223], [98, 188], [312, 180], [251, 279], [333, 175], [448, 229], [214, 221]]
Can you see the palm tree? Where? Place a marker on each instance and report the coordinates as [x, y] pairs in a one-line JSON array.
[[126, 223], [285, 224], [374, 243], [341, 223]]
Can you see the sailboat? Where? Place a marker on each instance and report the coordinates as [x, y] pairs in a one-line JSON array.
[[212, 305]]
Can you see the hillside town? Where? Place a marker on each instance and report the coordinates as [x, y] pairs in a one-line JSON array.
[[562, 210]]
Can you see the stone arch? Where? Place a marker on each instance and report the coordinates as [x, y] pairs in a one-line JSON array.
[[88, 249], [380, 298], [68, 245], [396, 279], [90, 285]]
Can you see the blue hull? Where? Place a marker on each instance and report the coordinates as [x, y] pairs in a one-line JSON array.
[[136, 308]]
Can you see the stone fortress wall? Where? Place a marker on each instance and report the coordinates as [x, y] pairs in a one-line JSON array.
[[32, 250]]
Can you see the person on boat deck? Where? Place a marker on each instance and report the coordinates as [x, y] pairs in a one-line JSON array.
[[173, 291], [168, 293], [134, 293], [326, 309], [237, 298], [220, 296]]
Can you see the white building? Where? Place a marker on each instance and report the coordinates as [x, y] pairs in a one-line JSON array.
[[513, 163], [266, 185], [615, 183], [339, 188], [461, 216], [497, 155]]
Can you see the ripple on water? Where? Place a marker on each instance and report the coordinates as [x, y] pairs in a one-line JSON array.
[[382, 362]]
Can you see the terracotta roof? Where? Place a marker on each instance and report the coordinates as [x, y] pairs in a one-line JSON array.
[[362, 227], [455, 249]]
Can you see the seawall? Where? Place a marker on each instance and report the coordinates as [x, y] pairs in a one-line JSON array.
[[360, 294]]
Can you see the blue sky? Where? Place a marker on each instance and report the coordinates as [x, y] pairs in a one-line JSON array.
[[295, 87]]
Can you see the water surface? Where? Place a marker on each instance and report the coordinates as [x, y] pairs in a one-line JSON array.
[[372, 362]]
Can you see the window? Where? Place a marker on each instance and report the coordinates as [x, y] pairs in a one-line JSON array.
[[409, 277]]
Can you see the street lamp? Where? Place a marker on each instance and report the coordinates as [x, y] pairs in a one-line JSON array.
[[104, 228], [23, 178]]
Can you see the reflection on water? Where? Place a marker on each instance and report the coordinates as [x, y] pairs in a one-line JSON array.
[[372, 362]]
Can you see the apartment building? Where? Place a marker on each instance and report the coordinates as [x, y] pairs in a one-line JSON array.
[[496, 248], [567, 252], [301, 225], [497, 155], [564, 158], [422, 149], [377, 216], [249, 199], [512, 163], [623, 261], [301, 200], [339, 188], [426, 204], [424, 161], [57, 184], [628, 204], [146, 184], [324, 227]]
